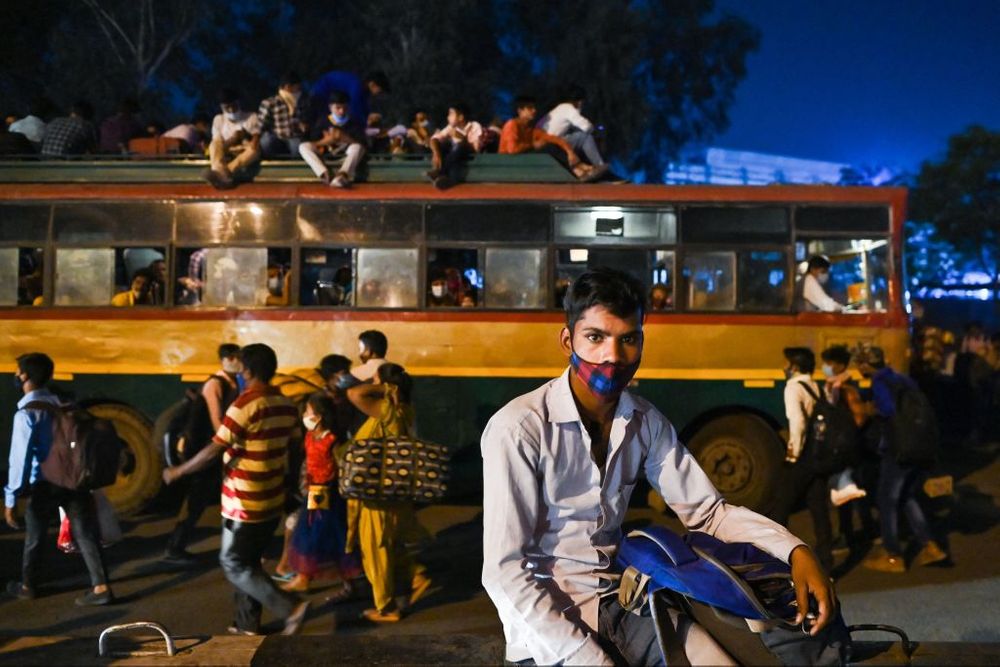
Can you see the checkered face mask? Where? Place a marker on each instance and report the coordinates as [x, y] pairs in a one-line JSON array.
[[606, 381]]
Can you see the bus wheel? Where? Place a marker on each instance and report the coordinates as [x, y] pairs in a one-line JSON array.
[[140, 477], [742, 456]]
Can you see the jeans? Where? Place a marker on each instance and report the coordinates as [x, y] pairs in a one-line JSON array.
[[203, 489], [897, 485], [454, 159], [799, 480], [243, 545], [583, 142], [271, 145], [43, 505]]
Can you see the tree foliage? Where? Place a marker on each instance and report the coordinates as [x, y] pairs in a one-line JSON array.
[[659, 73], [960, 196]]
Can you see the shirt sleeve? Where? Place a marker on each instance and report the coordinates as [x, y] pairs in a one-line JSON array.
[[232, 431], [508, 139], [674, 473], [19, 461], [212, 391], [264, 114], [882, 395], [814, 293], [798, 405], [511, 500], [577, 119]]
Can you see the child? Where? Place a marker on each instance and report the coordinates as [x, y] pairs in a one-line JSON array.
[[316, 546]]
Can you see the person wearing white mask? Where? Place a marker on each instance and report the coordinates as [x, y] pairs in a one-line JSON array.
[[814, 297], [235, 145], [339, 134], [281, 118]]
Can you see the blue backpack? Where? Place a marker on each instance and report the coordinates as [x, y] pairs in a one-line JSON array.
[[739, 594]]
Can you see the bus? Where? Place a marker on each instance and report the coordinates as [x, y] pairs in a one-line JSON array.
[[466, 284]]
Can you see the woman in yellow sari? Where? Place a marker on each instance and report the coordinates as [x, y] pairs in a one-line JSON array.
[[377, 526]]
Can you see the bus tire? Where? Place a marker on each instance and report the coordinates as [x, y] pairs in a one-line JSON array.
[[742, 455], [140, 478]]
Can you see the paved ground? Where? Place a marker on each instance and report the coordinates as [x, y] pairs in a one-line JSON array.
[[951, 603]]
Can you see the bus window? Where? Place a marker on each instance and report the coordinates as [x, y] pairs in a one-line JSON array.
[[735, 224], [859, 271], [387, 278], [140, 277], [327, 277], [572, 263], [515, 278], [763, 281], [453, 278], [84, 276], [615, 225], [235, 221], [661, 290], [235, 277], [103, 222], [21, 276], [708, 280]]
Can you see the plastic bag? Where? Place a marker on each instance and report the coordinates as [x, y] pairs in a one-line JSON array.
[[107, 523]]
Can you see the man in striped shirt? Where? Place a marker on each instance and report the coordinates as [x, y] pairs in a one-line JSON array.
[[253, 443]]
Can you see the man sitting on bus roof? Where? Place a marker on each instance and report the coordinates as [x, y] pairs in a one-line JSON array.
[[519, 135], [283, 118], [452, 145], [339, 132], [71, 135], [235, 146], [814, 297], [566, 121]]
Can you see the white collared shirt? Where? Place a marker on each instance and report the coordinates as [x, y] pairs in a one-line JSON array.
[[246, 121], [799, 405], [565, 118], [816, 298], [551, 527], [367, 370]]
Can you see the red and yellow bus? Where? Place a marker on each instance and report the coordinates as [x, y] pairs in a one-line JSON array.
[[305, 269]]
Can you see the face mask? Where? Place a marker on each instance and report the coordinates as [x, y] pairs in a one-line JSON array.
[[338, 119], [425, 123], [18, 383], [605, 381], [232, 116], [788, 373], [828, 370], [273, 284], [232, 367], [823, 278], [437, 291], [310, 423]]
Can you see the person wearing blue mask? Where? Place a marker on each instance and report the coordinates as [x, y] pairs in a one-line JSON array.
[[560, 464], [337, 133]]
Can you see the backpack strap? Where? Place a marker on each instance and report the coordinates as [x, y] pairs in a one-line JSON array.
[[667, 636], [809, 390], [44, 406]]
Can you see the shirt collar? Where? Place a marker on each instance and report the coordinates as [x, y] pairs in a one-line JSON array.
[[36, 395], [561, 406]]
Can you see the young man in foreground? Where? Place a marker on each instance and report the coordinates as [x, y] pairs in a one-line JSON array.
[[559, 466]]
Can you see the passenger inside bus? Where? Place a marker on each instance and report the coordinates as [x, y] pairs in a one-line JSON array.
[[138, 293], [438, 294], [813, 296], [659, 298]]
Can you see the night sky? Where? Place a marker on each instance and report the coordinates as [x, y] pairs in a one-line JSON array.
[[866, 81]]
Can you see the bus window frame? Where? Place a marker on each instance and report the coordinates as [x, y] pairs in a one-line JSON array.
[[296, 284], [555, 248]]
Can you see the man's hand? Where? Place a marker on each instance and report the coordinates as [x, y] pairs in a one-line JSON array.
[[11, 518], [810, 579], [436, 162], [171, 475]]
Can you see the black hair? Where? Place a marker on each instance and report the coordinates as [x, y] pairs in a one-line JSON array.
[[379, 78], [229, 96], [290, 78], [338, 97], [802, 358], [390, 373], [41, 107], [838, 354], [260, 360], [819, 262], [522, 101], [375, 341], [574, 93], [38, 366], [227, 350], [974, 330], [461, 108], [621, 293], [332, 364], [323, 406], [146, 273], [83, 109]]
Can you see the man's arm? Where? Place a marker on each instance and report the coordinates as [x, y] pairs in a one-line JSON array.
[[212, 391], [19, 465], [511, 502], [796, 410], [230, 433], [814, 293], [578, 120], [674, 473], [540, 137]]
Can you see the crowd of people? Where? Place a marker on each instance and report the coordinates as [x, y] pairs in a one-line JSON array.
[[343, 118], [236, 443]]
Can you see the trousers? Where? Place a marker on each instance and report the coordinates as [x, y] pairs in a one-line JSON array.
[[243, 545], [583, 142], [230, 160], [897, 487], [202, 491], [384, 556], [800, 481], [43, 506], [352, 158]]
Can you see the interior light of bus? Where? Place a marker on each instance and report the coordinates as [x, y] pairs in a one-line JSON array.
[[578, 255], [607, 212]]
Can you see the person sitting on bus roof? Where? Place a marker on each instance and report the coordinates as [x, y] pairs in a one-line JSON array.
[[33, 125], [119, 129], [282, 118], [361, 93], [339, 132], [235, 145], [452, 145], [418, 135], [566, 121], [191, 134], [71, 135], [814, 297], [14, 143], [138, 293], [520, 135]]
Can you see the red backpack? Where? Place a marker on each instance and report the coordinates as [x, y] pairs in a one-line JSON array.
[[86, 451]]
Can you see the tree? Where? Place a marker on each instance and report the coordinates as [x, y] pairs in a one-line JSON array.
[[960, 196]]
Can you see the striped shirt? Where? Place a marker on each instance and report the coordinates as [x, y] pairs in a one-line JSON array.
[[255, 433]]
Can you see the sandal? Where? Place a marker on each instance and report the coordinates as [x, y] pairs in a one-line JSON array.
[[287, 576]]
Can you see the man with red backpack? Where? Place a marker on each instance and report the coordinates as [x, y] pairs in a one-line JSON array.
[[31, 441]]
